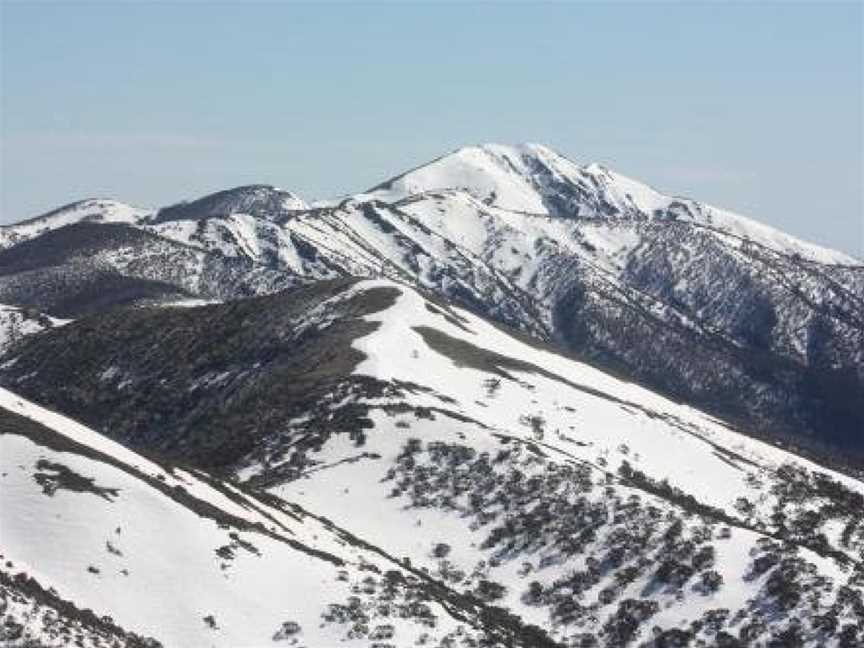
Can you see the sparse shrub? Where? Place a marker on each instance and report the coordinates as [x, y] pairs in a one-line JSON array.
[[287, 630], [710, 581], [621, 627], [489, 590], [441, 550]]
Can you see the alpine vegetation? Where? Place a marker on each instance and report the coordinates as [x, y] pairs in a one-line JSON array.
[[500, 400]]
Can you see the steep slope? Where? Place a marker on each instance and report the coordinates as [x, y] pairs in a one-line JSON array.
[[557, 495], [751, 334], [244, 367], [757, 327], [534, 179], [85, 268], [102, 547]]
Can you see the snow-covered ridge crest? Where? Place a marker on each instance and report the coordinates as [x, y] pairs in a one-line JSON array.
[[262, 201], [478, 395], [408, 345], [528, 238], [172, 555], [526, 178], [535, 179], [93, 210]]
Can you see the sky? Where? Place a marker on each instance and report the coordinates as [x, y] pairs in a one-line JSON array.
[[758, 108]]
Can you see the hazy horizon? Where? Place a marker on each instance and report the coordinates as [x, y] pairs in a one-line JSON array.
[[753, 108]]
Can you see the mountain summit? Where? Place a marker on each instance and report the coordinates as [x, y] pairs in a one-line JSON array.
[[529, 178], [263, 201], [534, 179]]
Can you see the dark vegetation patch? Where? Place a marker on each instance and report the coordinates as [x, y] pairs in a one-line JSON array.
[[259, 200], [68, 294], [736, 362], [55, 272], [228, 552], [55, 476], [70, 618], [543, 513], [809, 503], [56, 247], [88, 268], [287, 631], [371, 214], [450, 315], [11, 423], [416, 588], [539, 512], [105, 290], [807, 535], [205, 385]]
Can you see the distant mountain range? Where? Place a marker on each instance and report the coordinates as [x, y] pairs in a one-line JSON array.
[[730, 315], [499, 400]]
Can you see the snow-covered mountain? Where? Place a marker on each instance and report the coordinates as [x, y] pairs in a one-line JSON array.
[[541, 417], [84, 211], [384, 468], [704, 305], [263, 201], [534, 179]]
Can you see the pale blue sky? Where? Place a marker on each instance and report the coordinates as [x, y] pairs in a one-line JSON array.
[[753, 107]]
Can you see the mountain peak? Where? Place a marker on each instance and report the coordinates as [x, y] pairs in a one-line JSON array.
[[515, 150], [534, 179], [262, 200], [97, 210], [529, 178], [497, 153]]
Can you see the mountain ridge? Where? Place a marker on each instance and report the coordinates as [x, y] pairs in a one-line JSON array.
[[734, 317], [440, 482], [537, 153]]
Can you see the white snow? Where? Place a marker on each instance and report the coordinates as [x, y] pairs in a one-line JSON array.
[[150, 562], [93, 210], [614, 422]]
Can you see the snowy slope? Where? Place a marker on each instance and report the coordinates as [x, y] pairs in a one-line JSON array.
[[677, 291], [495, 448], [91, 210], [559, 498], [535, 179], [264, 201], [175, 556]]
